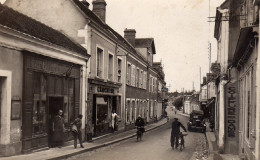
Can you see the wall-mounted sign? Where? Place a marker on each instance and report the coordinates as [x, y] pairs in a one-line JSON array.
[[231, 111], [16, 109], [105, 90]]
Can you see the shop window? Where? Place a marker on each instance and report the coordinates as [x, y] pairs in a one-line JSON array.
[[39, 104], [71, 102], [119, 69], [99, 68], [102, 110], [110, 67]]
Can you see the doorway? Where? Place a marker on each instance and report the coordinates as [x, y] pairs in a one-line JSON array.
[[55, 104]]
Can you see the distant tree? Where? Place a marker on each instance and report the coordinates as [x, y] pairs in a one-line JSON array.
[[178, 103]]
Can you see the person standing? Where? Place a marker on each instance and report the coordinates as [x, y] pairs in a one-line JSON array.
[[114, 121], [175, 132], [58, 130], [77, 133]]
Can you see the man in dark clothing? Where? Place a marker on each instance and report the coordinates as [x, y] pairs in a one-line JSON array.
[[175, 132], [140, 123]]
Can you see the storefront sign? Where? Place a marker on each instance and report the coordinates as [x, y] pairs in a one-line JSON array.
[[54, 67], [231, 110], [105, 90]]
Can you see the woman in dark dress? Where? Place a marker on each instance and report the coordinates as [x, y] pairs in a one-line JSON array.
[[58, 130]]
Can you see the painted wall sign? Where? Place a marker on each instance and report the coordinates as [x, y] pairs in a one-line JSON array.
[[231, 111], [52, 66]]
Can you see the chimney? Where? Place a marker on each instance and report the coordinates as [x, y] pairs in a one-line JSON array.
[[99, 8], [129, 35], [204, 80], [85, 3]]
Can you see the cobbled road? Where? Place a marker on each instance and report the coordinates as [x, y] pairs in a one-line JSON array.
[[154, 146]]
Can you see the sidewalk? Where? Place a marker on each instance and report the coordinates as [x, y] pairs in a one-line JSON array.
[[183, 114], [68, 151], [213, 148]]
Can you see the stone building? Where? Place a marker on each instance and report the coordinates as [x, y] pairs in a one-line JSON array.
[[41, 71], [237, 106]]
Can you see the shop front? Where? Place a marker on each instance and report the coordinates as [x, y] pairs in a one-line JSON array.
[[49, 85], [105, 100]]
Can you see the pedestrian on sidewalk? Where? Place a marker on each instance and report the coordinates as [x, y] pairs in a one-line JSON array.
[[58, 130], [114, 121], [175, 132], [76, 131]]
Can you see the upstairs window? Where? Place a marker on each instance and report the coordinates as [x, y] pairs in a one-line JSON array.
[[137, 77], [133, 76], [145, 80], [100, 53], [129, 74], [119, 69], [110, 67], [141, 79]]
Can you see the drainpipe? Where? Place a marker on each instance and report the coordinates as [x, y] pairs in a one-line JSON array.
[[221, 134], [257, 102]]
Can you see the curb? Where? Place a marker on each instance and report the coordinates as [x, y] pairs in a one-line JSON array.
[[101, 145]]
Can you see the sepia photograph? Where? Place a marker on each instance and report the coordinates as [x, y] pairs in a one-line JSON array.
[[129, 80]]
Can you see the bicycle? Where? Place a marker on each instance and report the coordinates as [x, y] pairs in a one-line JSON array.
[[181, 140]]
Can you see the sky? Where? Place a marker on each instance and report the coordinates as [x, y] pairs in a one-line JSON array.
[[181, 32]]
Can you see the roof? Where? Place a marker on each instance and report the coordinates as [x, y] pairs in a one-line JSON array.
[[22, 23], [96, 19], [145, 43]]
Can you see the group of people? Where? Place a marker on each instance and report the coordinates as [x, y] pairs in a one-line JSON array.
[[58, 129]]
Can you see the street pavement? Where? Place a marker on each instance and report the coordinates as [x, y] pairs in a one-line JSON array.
[[154, 146]]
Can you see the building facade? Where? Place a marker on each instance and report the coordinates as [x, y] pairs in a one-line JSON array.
[[41, 71]]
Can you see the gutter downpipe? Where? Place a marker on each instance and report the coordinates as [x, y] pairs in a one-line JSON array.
[[257, 102]]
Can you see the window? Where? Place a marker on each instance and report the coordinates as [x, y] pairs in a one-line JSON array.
[[119, 69], [129, 74], [137, 77], [151, 84], [110, 67], [128, 105], [141, 79], [144, 80], [99, 62], [133, 76], [151, 108]]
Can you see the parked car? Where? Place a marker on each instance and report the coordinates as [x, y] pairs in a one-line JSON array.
[[196, 121]]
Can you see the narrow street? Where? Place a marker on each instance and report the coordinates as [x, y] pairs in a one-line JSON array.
[[155, 146]]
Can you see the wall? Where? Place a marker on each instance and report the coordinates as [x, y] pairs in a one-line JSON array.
[[12, 60], [61, 15]]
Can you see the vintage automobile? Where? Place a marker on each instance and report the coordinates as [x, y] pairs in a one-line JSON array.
[[196, 121]]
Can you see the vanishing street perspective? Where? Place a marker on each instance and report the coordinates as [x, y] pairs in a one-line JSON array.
[[129, 80]]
